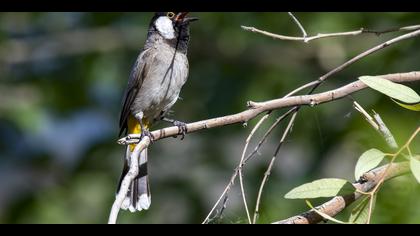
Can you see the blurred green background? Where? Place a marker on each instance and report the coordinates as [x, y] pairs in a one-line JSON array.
[[62, 77]]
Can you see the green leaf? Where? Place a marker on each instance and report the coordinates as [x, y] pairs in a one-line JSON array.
[[321, 188], [326, 216], [369, 160], [413, 107], [415, 167], [398, 91], [360, 213]]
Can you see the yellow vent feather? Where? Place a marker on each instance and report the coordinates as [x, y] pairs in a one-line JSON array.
[[135, 128]]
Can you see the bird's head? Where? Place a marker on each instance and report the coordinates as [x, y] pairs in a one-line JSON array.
[[171, 24]]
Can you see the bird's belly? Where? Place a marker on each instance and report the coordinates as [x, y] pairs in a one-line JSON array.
[[160, 90]]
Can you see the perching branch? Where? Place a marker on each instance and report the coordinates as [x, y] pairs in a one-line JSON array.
[[339, 203], [257, 108]]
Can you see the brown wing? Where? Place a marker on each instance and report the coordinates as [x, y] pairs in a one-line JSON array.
[[135, 81]]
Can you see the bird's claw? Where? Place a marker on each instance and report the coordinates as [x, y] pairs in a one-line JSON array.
[[182, 128], [146, 133]]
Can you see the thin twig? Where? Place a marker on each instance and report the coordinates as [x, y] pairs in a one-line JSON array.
[[268, 132], [277, 122], [304, 34], [366, 53], [241, 163], [270, 166], [225, 192], [237, 171], [370, 210], [328, 35]]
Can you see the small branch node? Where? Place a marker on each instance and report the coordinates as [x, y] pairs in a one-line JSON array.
[[252, 105]]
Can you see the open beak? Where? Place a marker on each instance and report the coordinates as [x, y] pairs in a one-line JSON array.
[[182, 18]]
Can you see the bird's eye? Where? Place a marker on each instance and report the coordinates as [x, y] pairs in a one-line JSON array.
[[170, 14]]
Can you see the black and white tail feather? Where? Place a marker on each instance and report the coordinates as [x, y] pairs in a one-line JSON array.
[[138, 197]]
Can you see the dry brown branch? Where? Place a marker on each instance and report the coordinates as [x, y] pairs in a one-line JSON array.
[[339, 203]]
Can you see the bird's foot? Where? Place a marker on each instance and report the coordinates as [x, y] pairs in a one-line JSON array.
[[182, 126], [146, 133]]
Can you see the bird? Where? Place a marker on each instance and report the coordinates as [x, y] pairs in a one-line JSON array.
[[154, 85]]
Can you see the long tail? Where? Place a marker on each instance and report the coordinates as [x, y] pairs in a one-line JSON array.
[[138, 197]]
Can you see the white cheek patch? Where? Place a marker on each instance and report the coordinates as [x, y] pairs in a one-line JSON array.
[[164, 26]]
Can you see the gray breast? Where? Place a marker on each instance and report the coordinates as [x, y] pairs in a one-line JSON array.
[[162, 83]]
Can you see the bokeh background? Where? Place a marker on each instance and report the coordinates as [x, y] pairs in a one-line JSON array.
[[62, 77]]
